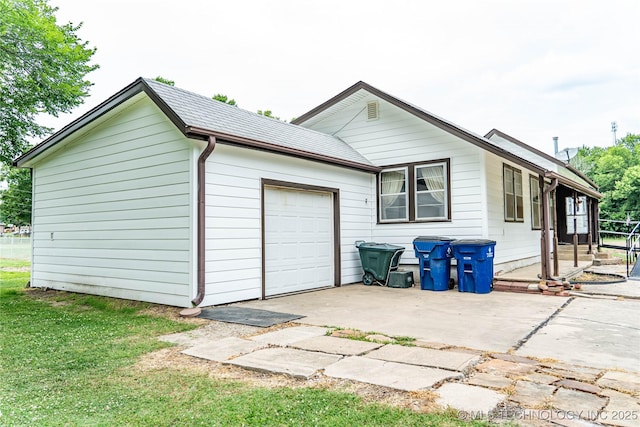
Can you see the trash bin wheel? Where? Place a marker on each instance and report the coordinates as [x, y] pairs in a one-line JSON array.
[[368, 279]]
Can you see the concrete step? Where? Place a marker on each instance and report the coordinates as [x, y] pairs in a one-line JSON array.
[[607, 261], [569, 256], [565, 252], [569, 248]]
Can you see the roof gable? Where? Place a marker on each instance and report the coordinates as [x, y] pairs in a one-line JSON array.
[[198, 117], [339, 101], [525, 156]]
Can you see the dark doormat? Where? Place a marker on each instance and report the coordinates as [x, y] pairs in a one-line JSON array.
[[247, 316]]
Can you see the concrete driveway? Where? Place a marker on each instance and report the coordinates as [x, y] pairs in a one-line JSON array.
[[591, 332]]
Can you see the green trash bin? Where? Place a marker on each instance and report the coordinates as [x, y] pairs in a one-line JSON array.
[[378, 261]]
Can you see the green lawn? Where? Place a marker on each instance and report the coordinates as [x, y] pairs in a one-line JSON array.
[[69, 360]]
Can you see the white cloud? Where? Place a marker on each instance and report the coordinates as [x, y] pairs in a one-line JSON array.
[[532, 68]]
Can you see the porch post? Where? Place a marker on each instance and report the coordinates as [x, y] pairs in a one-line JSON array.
[[546, 253], [544, 237], [575, 228], [591, 224], [556, 266]]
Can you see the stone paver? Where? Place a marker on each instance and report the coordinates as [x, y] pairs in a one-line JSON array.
[[540, 378], [424, 357], [224, 349], [622, 409], [289, 361], [484, 379], [625, 381], [504, 367], [574, 372], [585, 405], [531, 395], [291, 335], [551, 417], [513, 358], [335, 345], [468, 398], [431, 344], [388, 374], [578, 385]]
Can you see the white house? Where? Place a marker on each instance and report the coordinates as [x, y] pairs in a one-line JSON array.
[[162, 195]]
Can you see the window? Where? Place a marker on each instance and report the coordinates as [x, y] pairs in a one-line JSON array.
[[536, 203], [415, 192], [393, 195], [431, 184], [513, 202]]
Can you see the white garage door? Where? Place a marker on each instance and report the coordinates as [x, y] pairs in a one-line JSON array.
[[298, 230]]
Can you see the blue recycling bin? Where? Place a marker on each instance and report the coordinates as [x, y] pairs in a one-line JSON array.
[[434, 254], [475, 264]]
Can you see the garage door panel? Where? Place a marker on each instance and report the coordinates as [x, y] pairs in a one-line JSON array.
[[298, 240]]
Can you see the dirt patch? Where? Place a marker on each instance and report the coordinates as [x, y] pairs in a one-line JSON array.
[[591, 277], [25, 269], [172, 313], [172, 358]]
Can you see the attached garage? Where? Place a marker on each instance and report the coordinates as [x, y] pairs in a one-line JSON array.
[[300, 238], [179, 199]]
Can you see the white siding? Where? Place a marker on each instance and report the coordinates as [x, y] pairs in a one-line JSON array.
[[234, 245], [514, 240], [112, 210], [399, 137]]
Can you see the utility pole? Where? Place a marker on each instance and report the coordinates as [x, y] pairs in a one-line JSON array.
[[614, 128]]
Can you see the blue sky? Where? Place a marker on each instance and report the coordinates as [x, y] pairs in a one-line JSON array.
[[533, 69]]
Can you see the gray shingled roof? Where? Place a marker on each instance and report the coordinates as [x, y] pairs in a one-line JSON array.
[[203, 112]]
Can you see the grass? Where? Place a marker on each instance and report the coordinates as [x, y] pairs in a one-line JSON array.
[[70, 360], [358, 335]]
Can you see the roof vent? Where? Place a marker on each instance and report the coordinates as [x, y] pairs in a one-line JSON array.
[[372, 110]]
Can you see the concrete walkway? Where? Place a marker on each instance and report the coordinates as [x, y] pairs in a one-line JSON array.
[[497, 355]]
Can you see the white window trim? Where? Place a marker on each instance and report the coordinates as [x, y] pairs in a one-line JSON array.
[[405, 193], [515, 171], [445, 192], [534, 184]]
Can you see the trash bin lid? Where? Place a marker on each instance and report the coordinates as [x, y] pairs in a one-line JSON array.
[[380, 246], [432, 239], [473, 242]]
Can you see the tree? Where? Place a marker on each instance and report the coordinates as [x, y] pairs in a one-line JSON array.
[[616, 172], [15, 201], [627, 192], [631, 142], [42, 70], [223, 98], [165, 81], [610, 167], [268, 113]]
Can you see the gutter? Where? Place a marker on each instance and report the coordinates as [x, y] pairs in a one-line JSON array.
[[211, 144], [574, 185], [224, 138]]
